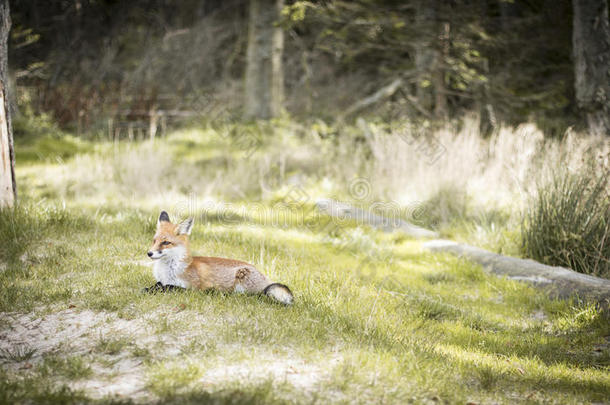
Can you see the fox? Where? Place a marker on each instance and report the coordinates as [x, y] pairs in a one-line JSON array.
[[174, 268]]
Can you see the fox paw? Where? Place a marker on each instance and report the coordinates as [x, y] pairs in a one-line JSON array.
[[153, 289], [159, 287]]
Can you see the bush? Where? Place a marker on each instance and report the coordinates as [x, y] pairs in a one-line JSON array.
[[448, 205], [568, 223], [39, 139]]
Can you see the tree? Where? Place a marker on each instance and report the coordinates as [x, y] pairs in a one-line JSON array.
[[8, 188], [431, 54], [441, 53], [264, 89], [591, 48]]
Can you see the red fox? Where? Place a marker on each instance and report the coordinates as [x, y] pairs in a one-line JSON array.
[[174, 266]]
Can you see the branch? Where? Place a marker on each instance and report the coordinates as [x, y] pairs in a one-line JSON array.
[[374, 98]]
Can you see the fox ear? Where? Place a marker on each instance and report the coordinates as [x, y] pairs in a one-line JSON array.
[[184, 228], [163, 217]]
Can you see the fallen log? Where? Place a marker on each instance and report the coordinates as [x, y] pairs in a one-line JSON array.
[[341, 210], [558, 282]]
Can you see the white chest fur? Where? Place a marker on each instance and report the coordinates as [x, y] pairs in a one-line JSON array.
[[170, 267]]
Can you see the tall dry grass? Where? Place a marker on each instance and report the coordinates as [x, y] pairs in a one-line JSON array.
[[469, 186], [396, 160], [499, 171]]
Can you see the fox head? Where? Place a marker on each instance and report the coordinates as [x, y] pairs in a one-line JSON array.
[[170, 240]]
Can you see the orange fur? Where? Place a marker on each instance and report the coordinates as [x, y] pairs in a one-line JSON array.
[[208, 272]]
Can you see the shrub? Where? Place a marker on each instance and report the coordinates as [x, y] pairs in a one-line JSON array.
[[568, 223], [448, 205]]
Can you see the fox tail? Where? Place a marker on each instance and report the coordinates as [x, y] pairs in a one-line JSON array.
[[280, 293]]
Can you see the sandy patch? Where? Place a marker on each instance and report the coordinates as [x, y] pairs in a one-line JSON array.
[[294, 371], [76, 332]]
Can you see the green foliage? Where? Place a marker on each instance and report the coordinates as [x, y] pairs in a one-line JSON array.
[[568, 223], [49, 147], [27, 125], [111, 345], [23, 227], [39, 138], [447, 205], [32, 389]]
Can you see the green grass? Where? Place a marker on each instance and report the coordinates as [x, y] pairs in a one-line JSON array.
[[111, 345], [17, 353], [376, 318], [70, 367], [568, 223]]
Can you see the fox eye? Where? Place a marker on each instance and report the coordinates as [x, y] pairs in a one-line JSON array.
[[165, 243]]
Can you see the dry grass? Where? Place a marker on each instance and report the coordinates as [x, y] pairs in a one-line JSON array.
[[498, 171]]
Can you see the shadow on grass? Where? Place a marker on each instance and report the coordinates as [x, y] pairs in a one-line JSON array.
[[24, 231], [23, 226], [31, 390], [421, 341], [259, 394]]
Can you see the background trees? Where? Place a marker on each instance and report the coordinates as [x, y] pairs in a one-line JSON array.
[[506, 61], [591, 44]]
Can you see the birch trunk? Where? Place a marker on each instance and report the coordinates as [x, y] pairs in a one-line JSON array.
[[8, 187]]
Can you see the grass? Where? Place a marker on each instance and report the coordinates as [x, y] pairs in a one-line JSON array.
[[111, 345], [376, 318], [568, 223], [17, 353], [70, 367]]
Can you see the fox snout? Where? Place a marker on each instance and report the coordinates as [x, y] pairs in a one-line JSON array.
[[154, 254]]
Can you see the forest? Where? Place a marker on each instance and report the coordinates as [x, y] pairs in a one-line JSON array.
[[413, 196]]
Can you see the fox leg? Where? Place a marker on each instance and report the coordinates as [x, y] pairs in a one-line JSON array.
[[239, 285], [249, 280]]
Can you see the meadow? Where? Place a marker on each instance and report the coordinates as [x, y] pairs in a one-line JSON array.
[[376, 318]]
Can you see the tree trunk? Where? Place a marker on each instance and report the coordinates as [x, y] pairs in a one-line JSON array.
[[438, 75], [425, 56], [430, 55], [441, 49], [508, 11], [591, 48], [8, 188], [264, 88]]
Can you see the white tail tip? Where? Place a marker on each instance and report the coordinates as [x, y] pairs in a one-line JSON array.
[[280, 293]]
